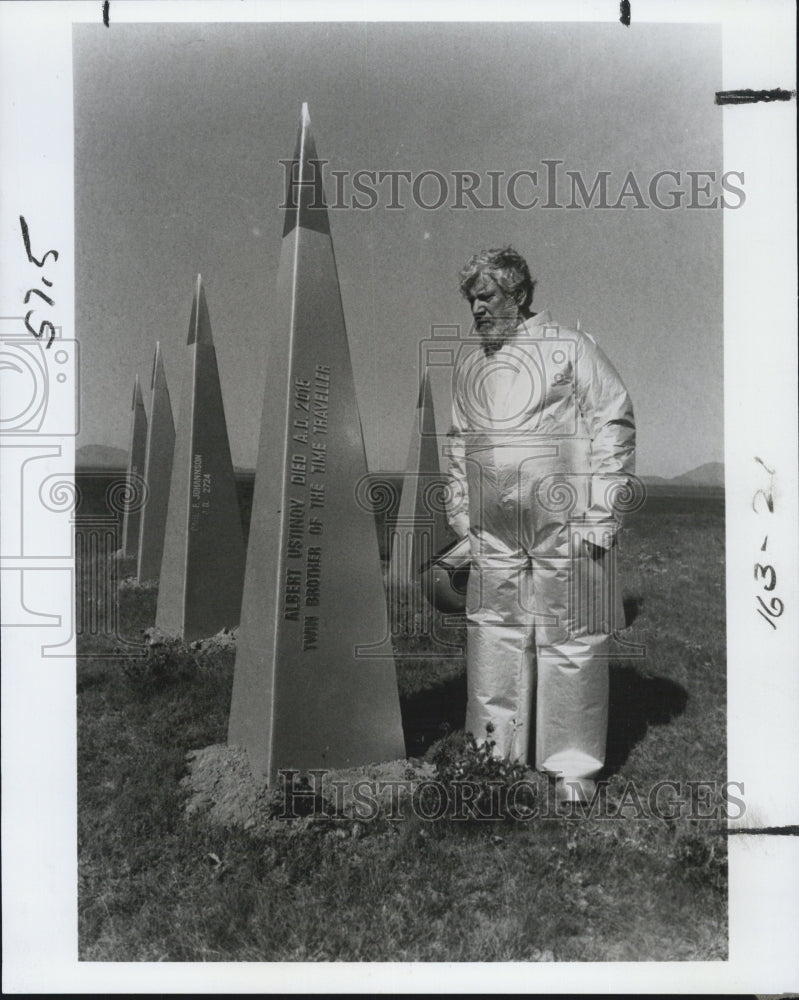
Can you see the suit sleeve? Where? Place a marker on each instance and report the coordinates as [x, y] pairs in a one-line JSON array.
[[607, 413], [458, 493]]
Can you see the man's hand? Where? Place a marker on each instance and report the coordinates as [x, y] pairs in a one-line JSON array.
[[460, 525], [597, 551]]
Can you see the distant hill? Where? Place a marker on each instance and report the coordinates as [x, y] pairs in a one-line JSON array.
[[709, 474], [100, 456]]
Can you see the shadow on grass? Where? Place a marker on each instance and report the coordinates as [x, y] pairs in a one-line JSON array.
[[633, 606], [428, 715], [636, 703]]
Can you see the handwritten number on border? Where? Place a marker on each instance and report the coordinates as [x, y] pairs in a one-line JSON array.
[[45, 324], [766, 572]]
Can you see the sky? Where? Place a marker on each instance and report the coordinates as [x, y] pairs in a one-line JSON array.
[[179, 134]]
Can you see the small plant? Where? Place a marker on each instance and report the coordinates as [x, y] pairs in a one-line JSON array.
[[461, 759]]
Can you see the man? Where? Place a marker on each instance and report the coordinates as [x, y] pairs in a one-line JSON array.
[[542, 441]]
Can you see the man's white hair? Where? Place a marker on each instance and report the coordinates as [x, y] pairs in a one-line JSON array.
[[506, 267]]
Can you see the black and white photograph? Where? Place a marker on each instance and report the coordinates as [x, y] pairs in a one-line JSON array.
[[398, 445]]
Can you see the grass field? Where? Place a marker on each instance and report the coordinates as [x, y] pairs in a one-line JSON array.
[[156, 886]]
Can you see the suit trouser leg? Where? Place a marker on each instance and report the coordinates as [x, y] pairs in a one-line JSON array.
[[572, 667], [530, 566], [569, 668], [500, 654]]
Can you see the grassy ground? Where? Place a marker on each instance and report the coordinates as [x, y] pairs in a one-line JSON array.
[[156, 886]]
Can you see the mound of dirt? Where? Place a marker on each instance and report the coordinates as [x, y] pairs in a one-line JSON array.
[[226, 639], [221, 787]]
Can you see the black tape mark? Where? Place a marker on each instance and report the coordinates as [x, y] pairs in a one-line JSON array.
[[106, 11], [753, 96], [624, 11], [774, 831]]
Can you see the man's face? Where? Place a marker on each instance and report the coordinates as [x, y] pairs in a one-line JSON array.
[[495, 313]]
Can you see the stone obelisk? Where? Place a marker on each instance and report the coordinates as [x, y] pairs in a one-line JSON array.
[[135, 475], [419, 529], [302, 697], [157, 474], [202, 567]]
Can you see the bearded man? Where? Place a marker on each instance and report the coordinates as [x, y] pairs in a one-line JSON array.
[[541, 447]]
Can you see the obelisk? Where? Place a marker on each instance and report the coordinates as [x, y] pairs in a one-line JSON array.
[[138, 442], [202, 567], [419, 529], [302, 697], [157, 474]]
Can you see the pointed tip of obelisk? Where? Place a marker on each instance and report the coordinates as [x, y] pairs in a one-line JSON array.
[[158, 364], [305, 177], [138, 399], [200, 323], [424, 390]]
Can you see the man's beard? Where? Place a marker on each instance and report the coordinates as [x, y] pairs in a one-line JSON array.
[[493, 335]]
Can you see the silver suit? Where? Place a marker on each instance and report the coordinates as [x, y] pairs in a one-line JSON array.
[[542, 441]]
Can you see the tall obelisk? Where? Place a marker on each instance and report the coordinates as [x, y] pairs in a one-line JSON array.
[[302, 697], [419, 529], [135, 474], [202, 567], [157, 474]]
